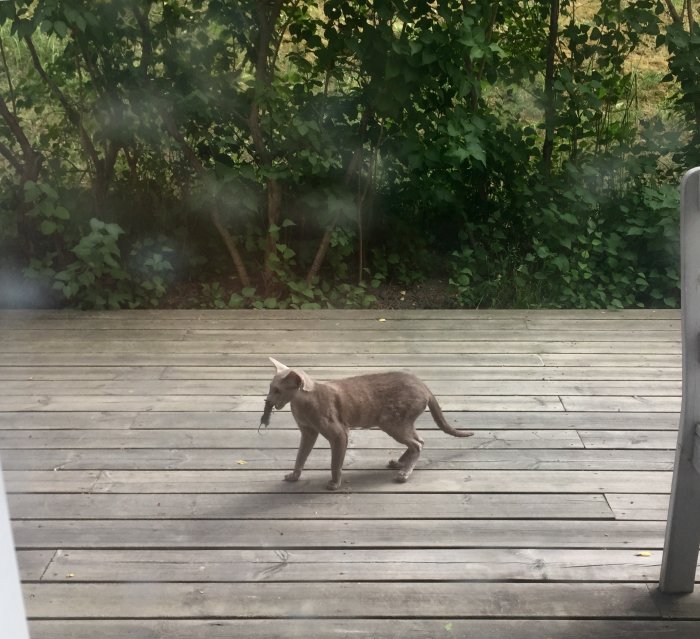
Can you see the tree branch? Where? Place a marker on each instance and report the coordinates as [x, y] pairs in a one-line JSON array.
[[691, 20], [262, 72], [16, 130], [6, 68], [675, 16], [198, 167], [146, 37], [71, 112], [7, 153]]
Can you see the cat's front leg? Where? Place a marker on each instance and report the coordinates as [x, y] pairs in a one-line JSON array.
[[308, 439]]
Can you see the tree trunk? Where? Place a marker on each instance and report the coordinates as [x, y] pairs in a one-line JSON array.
[[351, 171], [549, 96], [228, 239], [28, 167], [274, 213], [325, 242], [268, 13]]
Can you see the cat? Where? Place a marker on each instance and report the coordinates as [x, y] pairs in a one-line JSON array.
[[391, 401]]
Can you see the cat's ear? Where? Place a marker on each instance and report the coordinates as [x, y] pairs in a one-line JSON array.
[[295, 379], [279, 366], [301, 380], [307, 384]]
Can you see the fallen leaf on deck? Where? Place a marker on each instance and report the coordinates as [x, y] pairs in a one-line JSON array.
[[646, 553], [381, 319], [241, 462]]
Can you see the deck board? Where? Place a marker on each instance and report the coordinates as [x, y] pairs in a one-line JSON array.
[[136, 474], [364, 629]]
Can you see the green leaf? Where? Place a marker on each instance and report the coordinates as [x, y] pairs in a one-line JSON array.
[[235, 301], [114, 230], [561, 263], [48, 227], [60, 28], [429, 57]]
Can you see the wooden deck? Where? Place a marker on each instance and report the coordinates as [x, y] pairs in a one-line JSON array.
[[146, 504]]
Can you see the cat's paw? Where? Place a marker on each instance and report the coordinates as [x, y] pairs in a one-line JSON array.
[[333, 485], [394, 465], [402, 477], [292, 476]]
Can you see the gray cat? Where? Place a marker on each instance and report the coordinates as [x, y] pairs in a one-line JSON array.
[[390, 401]]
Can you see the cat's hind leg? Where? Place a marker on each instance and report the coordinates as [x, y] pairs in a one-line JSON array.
[[398, 464], [339, 444], [408, 460]]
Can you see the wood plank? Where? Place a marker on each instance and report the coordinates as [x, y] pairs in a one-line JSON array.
[[258, 388], [387, 533], [569, 373], [341, 321], [15, 403], [362, 629], [314, 506], [33, 563], [492, 420], [674, 607], [603, 359], [274, 438], [266, 314], [624, 404], [358, 458], [593, 324], [288, 350], [77, 481], [395, 360], [234, 566], [627, 439], [647, 507], [391, 332], [33, 340], [379, 480], [51, 373], [328, 600]]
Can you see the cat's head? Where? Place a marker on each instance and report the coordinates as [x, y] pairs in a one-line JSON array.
[[286, 383]]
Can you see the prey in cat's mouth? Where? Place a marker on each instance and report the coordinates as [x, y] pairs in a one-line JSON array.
[[265, 419]]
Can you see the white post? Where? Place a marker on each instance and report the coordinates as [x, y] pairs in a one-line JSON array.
[[12, 617], [683, 528]]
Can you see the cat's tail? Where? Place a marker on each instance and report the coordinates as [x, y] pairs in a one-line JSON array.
[[440, 420]]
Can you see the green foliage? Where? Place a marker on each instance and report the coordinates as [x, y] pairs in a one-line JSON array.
[[96, 279], [282, 155], [594, 251]]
